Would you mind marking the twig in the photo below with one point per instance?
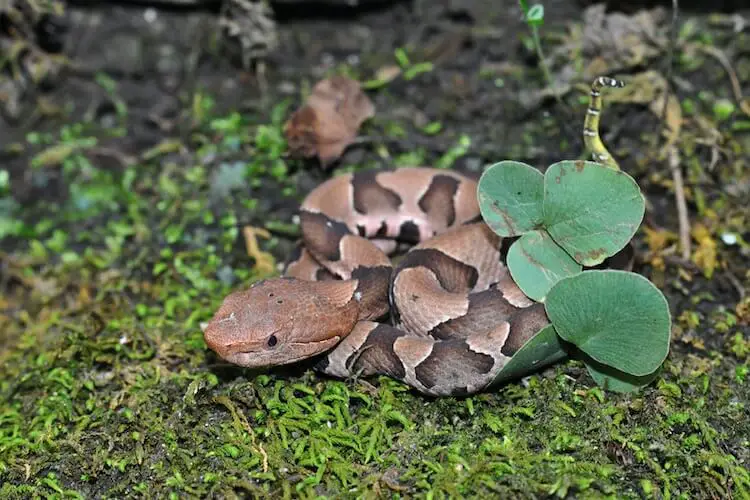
(724, 61)
(688, 265)
(679, 195)
(735, 283)
(670, 57)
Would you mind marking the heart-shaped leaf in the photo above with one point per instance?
(618, 318)
(536, 263)
(510, 195)
(589, 210)
(539, 351)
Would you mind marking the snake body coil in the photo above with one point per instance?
(456, 315)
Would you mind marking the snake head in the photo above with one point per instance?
(280, 321)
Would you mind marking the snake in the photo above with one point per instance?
(444, 318)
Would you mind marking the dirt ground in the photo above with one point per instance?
(126, 180)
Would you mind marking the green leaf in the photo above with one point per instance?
(618, 318)
(536, 263)
(402, 58)
(9, 226)
(590, 210)
(723, 109)
(417, 69)
(539, 351)
(614, 380)
(535, 15)
(510, 195)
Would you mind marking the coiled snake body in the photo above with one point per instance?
(457, 317)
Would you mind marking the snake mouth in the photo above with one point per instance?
(263, 356)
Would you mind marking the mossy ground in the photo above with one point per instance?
(116, 253)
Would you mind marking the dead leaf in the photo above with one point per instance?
(329, 121)
(743, 311)
(658, 240)
(388, 73)
(619, 41)
(264, 261)
(705, 255)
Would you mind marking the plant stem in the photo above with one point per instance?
(542, 60)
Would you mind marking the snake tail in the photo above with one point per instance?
(593, 142)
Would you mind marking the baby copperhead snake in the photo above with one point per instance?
(457, 317)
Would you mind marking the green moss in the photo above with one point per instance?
(106, 404)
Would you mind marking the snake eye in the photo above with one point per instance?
(272, 341)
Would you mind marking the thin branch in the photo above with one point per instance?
(733, 80)
(679, 195)
(670, 56)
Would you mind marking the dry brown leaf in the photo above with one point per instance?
(610, 42)
(619, 41)
(388, 73)
(329, 121)
(743, 311)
